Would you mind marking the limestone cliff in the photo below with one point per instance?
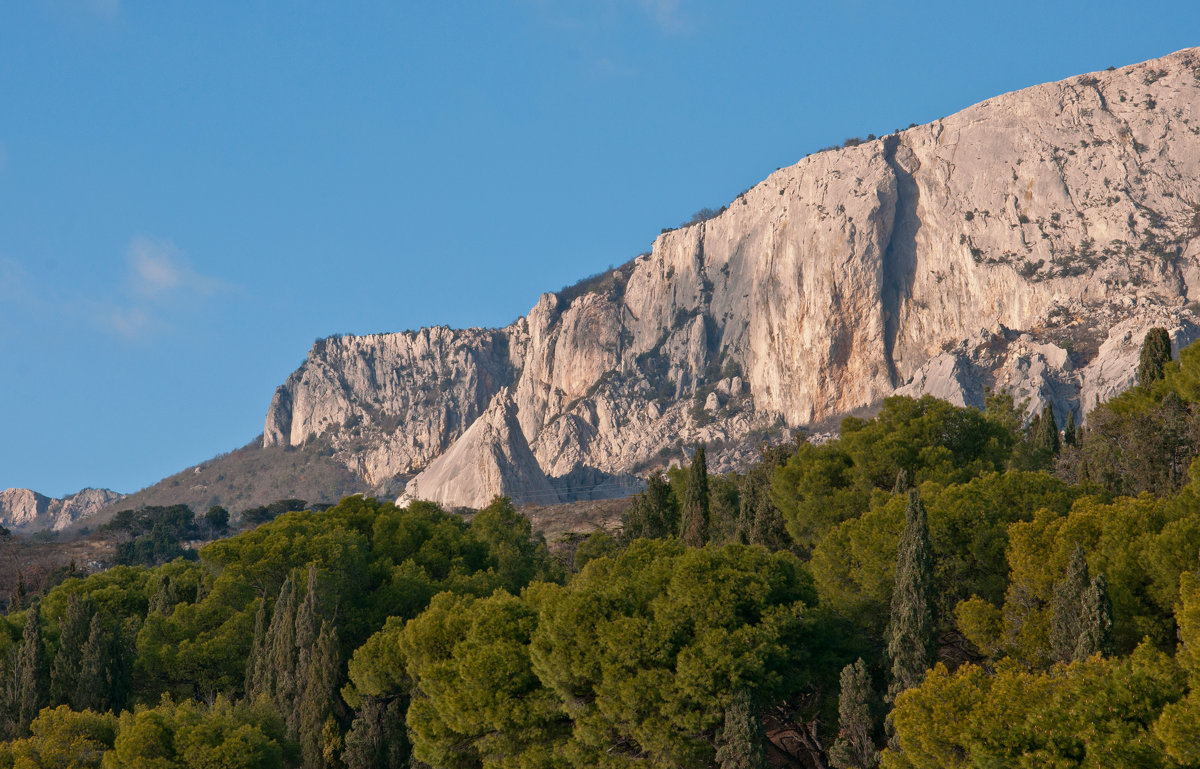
(24, 510)
(1025, 242)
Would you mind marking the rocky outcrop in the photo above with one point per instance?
(490, 458)
(1025, 243)
(26, 511)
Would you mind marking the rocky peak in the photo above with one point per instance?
(1026, 242)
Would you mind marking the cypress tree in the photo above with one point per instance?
(854, 747)
(743, 743)
(378, 738)
(695, 502)
(68, 663)
(901, 482)
(31, 674)
(1095, 625)
(1069, 437)
(95, 670)
(912, 631)
(317, 698)
(307, 621)
(16, 601)
(1046, 435)
(1077, 618)
(256, 662)
(1155, 355)
(654, 513)
(162, 603)
(278, 675)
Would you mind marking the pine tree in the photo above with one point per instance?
(854, 747)
(1081, 617)
(68, 662)
(1155, 355)
(31, 674)
(317, 698)
(912, 631)
(695, 502)
(1069, 437)
(742, 744)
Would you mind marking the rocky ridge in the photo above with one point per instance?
(1026, 243)
(23, 510)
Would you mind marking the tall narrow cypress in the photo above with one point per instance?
(743, 743)
(1069, 437)
(279, 674)
(1096, 626)
(162, 603)
(1067, 609)
(912, 630)
(1154, 357)
(317, 698)
(378, 738)
(854, 747)
(31, 676)
(1046, 436)
(695, 502)
(95, 670)
(68, 662)
(256, 662)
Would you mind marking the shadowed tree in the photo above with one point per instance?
(912, 629)
(654, 513)
(1155, 355)
(64, 674)
(30, 674)
(854, 747)
(695, 502)
(742, 744)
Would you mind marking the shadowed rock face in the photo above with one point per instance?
(968, 253)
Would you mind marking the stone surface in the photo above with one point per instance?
(1025, 243)
(23, 510)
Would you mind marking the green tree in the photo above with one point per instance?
(1069, 432)
(854, 747)
(695, 506)
(1155, 355)
(68, 661)
(1081, 619)
(742, 744)
(378, 738)
(31, 674)
(318, 700)
(64, 739)
(912, 630)
(654, 513)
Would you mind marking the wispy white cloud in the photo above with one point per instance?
(159, 281)
(666, 14)
(159, 271)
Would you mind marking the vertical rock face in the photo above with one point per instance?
(25, 510)
(1024, 243)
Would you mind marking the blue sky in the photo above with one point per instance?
(191, 193)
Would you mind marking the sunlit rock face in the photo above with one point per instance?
(1025, 243)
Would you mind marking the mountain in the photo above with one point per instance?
(24, 510)
(1026, 243)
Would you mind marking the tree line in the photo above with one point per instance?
(937, 587)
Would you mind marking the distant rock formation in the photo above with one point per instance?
(1026, 243)
(23, 510)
